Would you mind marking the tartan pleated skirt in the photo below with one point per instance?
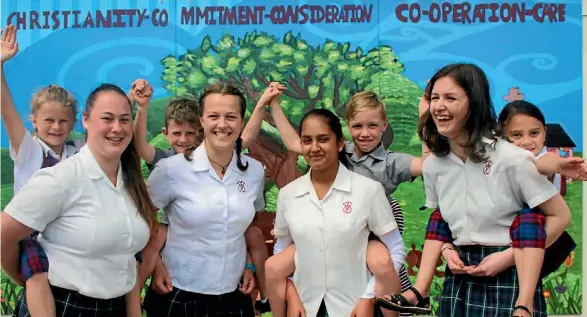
(73, 304)
(495, 296)
(180, 303)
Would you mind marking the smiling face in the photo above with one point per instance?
(108, 124)
(366, 128)
(320, 146)
(449, 107)
(221, 120)
(53, 123)
(526, 132)
(181, 136)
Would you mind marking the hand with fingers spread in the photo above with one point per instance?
(9, 46)
(573, 167)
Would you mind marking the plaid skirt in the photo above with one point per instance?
(495, 296)
(33, 259)
(73, 304)
(180, 303)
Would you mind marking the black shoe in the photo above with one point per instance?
(263, 307)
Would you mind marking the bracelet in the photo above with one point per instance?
(251, 267)
(442, 251)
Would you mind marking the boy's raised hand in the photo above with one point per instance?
(141, 92)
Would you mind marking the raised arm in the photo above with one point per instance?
(288, 134)
(12, 121)
(141, 93)
(418, 162)
(253, 127)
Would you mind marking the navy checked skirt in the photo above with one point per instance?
(180, 303)
(468, 296)
(73, 304)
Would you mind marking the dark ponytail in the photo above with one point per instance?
(239, 148)
(333, 122)
(131, 165)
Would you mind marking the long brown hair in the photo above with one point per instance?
(229, 90)
(131, 166)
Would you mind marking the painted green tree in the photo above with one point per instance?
(324, 75)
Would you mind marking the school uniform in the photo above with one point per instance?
(390, 169)
(527, 231)
(159, 155)
(205, 252)
(34, 154)
(90, 229)
(479, 202)
(331, 239)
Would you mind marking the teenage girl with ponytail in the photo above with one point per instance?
(209, 197)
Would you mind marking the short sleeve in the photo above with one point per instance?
(399, 168)
(39, 202)
(533, 187)
(429, 185)
(160, 185)
(380, 219)
(260, 200)
(281, 228)
(29, 148)
(158, 156)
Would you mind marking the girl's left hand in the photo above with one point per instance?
(248, 284)
(573, 167)
(493, 264)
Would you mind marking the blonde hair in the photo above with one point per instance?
(364, 100)
(53, 93)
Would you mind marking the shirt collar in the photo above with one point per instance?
(68, 149)
(93, 169)
(201, 162)
(379, 153)
(342, 181)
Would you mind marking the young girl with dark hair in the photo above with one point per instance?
(461, 129)
(209, 196)
(93, 212)
(329, 213)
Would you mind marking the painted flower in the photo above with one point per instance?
(560, 288)
(570, 259)
(546, 294)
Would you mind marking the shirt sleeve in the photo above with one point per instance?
(282, 243)
(30, 150)
(158, 156)
(429, 185)
(260, 200)
(39, 201)
(397, 250)
(160, 185)
(533, 187)
(399, 168)
(381, 220)
(281, 228)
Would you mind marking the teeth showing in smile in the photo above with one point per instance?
(55, 135)
(115, 139)
(443, 118)
(222, 134)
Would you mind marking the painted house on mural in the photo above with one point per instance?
(559, 142)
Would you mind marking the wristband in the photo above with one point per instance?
(251, 267)
(442, 251)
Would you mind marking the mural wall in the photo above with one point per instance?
(323, 52)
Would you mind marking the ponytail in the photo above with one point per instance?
(239, 148)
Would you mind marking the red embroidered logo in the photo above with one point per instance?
(487, 167)
(347, 207)
(241, 186)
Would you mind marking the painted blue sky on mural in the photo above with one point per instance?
(542, 59)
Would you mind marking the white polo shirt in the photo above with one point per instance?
(205, 250)
(479, 201)
(29, 157)
(331, 237)
(556, 178)
(90, 229)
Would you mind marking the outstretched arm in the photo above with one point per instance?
(141, 93)
(288, 134)
(572, 167)
(253, 127)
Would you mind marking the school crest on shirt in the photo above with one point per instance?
(240, 185)
(487, 167)
(347, 207)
